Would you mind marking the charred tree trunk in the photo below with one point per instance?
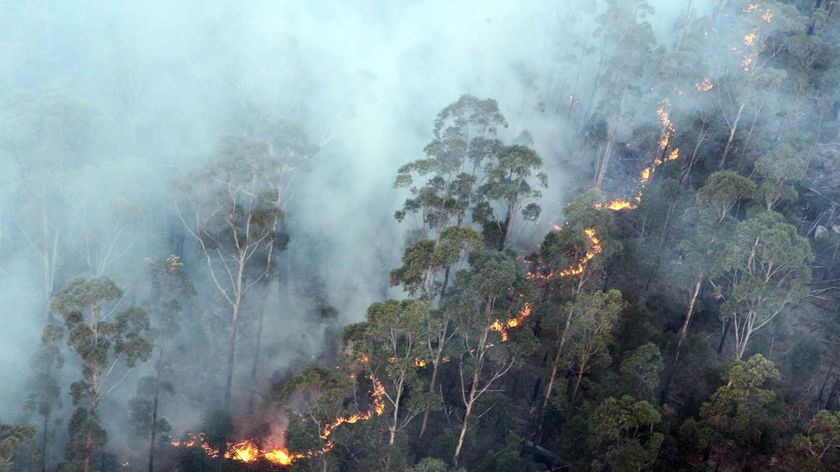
(683, 333)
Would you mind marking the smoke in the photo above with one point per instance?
(105, 105)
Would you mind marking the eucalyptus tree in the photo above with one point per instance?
(780, 169)
(565, 264)
(594, 317)
(392, 340)
(765, 270)
(510, 181)
(422, 262)
(817, 447)
(710, 225)
(478, 302)
(47, 134)
(44, 390)
(622, 435)
(759, 34)
(107, 344)
(170, 289)
(12, 438)
(626, 44)
(232, 209)
(737, 415)
(464, 141)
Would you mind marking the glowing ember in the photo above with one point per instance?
(581, 266)
(248, 451)
(281, 457)
(704, 86)
(244, 451)
(645, 175)
(747, 62)
(767, 17)
(502, 328)
(615, 205)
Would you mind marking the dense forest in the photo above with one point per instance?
(428, 237)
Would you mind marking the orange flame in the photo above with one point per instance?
(615, 205)
(247, 451)
(502, 328)
(767, 17)
(749, 39)
(596, 249)
(705, 86)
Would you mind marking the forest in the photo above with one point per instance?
(584, 235)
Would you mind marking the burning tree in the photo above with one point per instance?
(391, 341)
(484, 359)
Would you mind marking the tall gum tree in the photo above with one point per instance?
(232, 209)
(107, 344)
(483, 357)
(765, 270)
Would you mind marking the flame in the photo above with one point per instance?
(675, 154)
(645, 174)
(419, 363)
(747, 62)
(247, 451)
(502, 328)
(378, 409)
(705, 86)
(615, 205)
(281, 457)
(749, 39)
(243, 451)
(596, 249)
(750, 7)
(767, 17)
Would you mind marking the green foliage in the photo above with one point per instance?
(738, 414)
(817, 448)
(430, 464)
(780, 168)
(722, 191)
(622, 435)
(640, 372)
(766, 267)
(12, 437)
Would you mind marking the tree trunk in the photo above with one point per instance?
(463, 434)
(561, 344)
(87, 451)
(44, 437)
(231, 356)
(155, 403)
(253, 393)
(392, 430)
(732, 130)
(432, 385)
(683, 333)
(723, 335)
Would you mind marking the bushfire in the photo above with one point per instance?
(502, 327)
(249, 451)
